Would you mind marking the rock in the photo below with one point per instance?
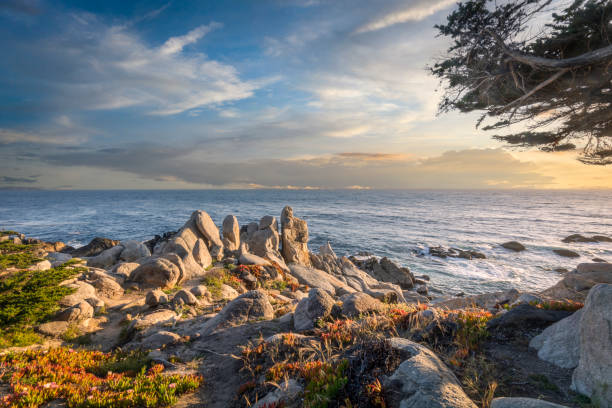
(58, 258)
(41, 266)
(108, 287)
(317, 305)
(97, 304)
(252, 305)
(156, 297)
(566, 253)
(599, 260)
(106, 258)
(506, 402)
(526, 317)
(202, 291)
(159, 340)
(228, 293)
(286, 395)
(95, 247)
(413, 297)
(442, 252)
(580, 238)
(125, 269)
(201, 254)
(326, 250)
(558, 343)
(184, 297)
(315, 278)
(360, 303)
(513, 246)
(576, 284)
(157, 273)
(231, 233)
(422, 380)
(422, 289)
(54, 329)
(82, 291)
(158, 317)
(134, 250)
(294, 232)
(80, 311)
(249, 280)
(250, 259)
(485, 301)
(527, 298)
(593, 376)
(384, 270)
(209, 230)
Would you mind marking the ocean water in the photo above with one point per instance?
(398, 224)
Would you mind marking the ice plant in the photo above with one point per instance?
(36, 377)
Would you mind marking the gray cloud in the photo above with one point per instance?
(18, 180)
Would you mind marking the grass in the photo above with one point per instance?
(28, 298)
(17, 256)
(216, 280)
(89, 379)
(9, 232)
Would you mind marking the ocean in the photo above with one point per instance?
(401, 225)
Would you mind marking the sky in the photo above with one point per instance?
(244, 94)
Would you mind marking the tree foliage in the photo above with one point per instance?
(553, 80)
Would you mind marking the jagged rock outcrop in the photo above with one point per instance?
(442, 252)
(294, 233)
(210, 232)
(385, 270)
(593, 376)
(231, 233)
(422, 380)
(261, 240)
(95, 247)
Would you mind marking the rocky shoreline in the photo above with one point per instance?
(267, 322)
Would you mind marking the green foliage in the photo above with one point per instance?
(8, 232)
(214, 281)
(275, 284)
(324, 385)
(124, 362)
(28, 298)
(18, 337)
(16, 256)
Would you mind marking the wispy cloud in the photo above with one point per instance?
(415, 12)
(176, 44)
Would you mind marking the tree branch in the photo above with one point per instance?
(541, 85)
(588, 58)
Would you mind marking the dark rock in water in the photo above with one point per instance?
(566, 253)
(95, 247)
(442, 252)
(599, 260)
(561, 270)
(514, 246)
(581, 238)
(159, 238)
(525, 316)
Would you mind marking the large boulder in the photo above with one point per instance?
(107, 258)
(124, 269)
(294, 238)
(317, 305)
(133, 250)
(593, 376)
(231, 233)
(253, 305)
(209, 230)
(264, 241)
(575, 285)
(157, 272)
(82, 291)
(506, 402)
(360, 303)
(247, 258)
(156, 297)
(558, 343)
(422, 380)
(95, 247)
(81, 311)
(107, 287)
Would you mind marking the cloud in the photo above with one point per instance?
(414, 12)
(373, 156)
(8, 136)
(475, 168)
(18, 180)
(90, 65)
(30, 7)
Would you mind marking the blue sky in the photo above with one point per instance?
(222, 94)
